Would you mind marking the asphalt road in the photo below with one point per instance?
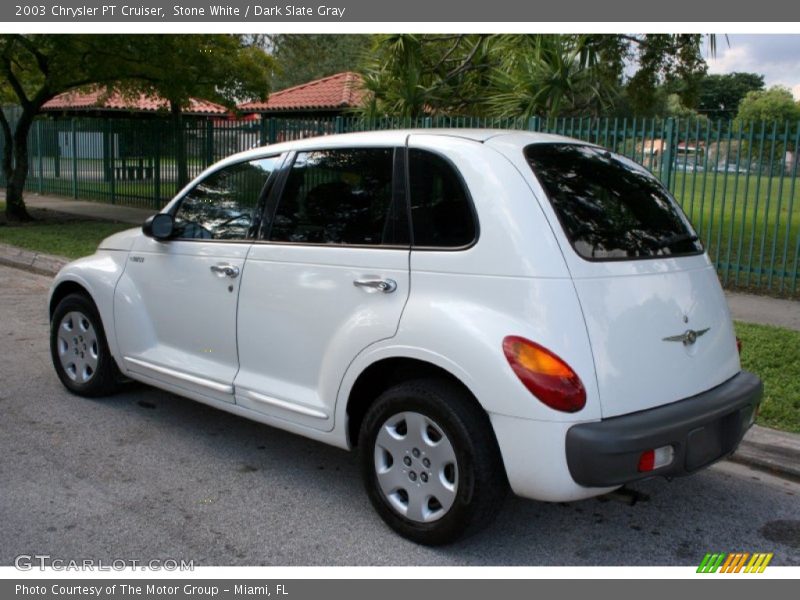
(146, 474)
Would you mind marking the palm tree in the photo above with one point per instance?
(548, 75)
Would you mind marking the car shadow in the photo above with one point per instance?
(320, 496)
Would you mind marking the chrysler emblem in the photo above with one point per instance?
(688, 337)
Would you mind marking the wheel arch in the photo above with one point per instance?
(385, 372)
(64, 289)
(95, 277)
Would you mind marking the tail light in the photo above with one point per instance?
(650, 460)
(545, 375)
(738, 345)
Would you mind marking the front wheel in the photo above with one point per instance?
(79, 348)
(430, 462)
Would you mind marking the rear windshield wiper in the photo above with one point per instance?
(671, 240)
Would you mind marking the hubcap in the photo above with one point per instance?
(416, 467)
(78, 349)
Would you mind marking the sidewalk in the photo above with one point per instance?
(761, 448)
(764, 310)
(93, 210)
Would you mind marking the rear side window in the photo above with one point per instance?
(441, 211)
(609, 207)
(342, 196)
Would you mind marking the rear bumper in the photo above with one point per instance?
(701, 430)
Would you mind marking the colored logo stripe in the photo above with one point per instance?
(734, 562)
(758, 563)
(711, 563)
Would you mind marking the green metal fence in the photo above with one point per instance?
(737, 182)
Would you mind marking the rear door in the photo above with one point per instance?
(330, 278)
(655, 312)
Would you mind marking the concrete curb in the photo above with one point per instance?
(769, 450)
(762, 448)
(43, 264)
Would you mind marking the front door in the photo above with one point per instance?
(331, 278)
(175, 305)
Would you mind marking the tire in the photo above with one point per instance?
(79, 349)
(445, 482)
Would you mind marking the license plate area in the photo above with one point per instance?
(713, 440)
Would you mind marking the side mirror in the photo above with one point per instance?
(160, 227)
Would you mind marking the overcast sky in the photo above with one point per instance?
(777, 57)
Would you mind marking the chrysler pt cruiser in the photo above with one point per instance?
(471, 310)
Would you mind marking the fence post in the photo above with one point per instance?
(112, 160)
(666, 164)
(262, 131)
(157, 170)
(107, 164)
(57, 152)
(38, 125)
(272, 131)
(209, 143)
(338, 125)
(427, 123)
(74, 144)
(533, 123)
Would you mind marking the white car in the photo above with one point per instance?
(470, 309)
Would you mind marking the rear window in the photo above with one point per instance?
(610, 207)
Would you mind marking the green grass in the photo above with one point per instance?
(773, 353)
(72, 239)
(747, 225)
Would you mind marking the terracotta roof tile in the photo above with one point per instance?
(343, 90)
(100, 99)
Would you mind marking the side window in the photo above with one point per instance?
(441, 211)
(225, 205)
(339, 197)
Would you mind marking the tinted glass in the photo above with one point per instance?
(338, 197)
(610, 208)
(225, 205)
(441, 212)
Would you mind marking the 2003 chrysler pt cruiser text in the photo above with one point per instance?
(470, 309)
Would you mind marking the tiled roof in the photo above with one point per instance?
(343, 90)
(101, 99)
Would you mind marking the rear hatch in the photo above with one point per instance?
(655, 313)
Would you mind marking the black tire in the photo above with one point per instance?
(478, 474)
(97, 373)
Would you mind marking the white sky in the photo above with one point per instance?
(776, 56)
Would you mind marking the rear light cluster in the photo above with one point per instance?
(738, 345)
(650, 460)
(545, 375)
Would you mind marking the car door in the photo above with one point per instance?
(330, 278)
(175, 305)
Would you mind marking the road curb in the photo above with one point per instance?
(762, 448)
(770, 450)
(43, 264)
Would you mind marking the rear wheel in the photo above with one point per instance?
(430, 462)
(79, 348)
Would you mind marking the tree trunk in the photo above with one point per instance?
(16, 169)
(180, 144)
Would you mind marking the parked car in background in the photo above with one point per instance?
(689, 158)
(471, 310)
(731, 167)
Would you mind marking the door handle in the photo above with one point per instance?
(225, 271)
(387, 286)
